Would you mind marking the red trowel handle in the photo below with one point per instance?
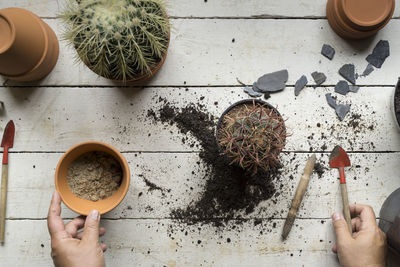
(345, 198)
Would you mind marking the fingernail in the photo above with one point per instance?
(336, 216)
(94, 214)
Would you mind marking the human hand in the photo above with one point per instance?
(366, 246)
(69, 247)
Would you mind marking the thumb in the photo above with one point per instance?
(91, 230)
(341, 230)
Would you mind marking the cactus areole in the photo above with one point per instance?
(118, 39)
(252, 134)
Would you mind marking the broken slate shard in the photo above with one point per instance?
(342, 87)
(300, 84)
(328, 51)
(342, 110)
(379, 54)
(354, 88)
(348, 72)
(251, 92)
(271, 82)
(318, 77)
(331, 101)
(368, 70)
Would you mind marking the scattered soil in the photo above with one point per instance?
(319, 169)
(94, 176)
(229, 190)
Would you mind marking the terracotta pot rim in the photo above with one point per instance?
(371, 25)
(340, 27)
(12, 39)
(45, 49)
(121, 160)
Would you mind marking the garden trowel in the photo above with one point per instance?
(339, 159)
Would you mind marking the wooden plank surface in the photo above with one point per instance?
(147, 243)
(370, 180)
(206, 8)
(212, 44)
(53, 119)
(202, 53)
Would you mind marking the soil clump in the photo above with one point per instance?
(229, 191)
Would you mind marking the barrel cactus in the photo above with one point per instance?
(252, 135)
(118, 39)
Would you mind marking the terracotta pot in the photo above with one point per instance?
(357, 19)
(80, 205)
(28, 46)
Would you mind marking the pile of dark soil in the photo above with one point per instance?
(229, 191)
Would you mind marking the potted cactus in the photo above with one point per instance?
(123, 40)
(252, 134)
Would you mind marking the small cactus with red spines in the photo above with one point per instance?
(252, 136)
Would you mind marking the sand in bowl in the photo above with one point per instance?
(94, 176)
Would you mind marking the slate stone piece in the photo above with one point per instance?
(354, 88)
(318, 77)
(251, 92)
(342, 87)
(348, 72)
(300, 84)
(342, 110)
(331, 101)
(271, 82)
(368, 70)
(379, 54)
(328, 51)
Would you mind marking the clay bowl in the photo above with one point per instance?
(358, 19)
(28, 46)
(83, 206)
(396, 108)
(241, 102)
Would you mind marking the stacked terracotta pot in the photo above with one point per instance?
(28, 46)
(357, 19)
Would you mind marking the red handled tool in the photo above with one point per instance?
(7, 142)
(339, 159)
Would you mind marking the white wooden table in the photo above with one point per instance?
(72, 105)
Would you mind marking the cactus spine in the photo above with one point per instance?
(252, 135)
(118, 39)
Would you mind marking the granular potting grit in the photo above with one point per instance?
(94, 176)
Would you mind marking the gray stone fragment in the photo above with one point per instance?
(342, 87)
(300, 84)
(342, 110)
(367, 70)
(348, 72)
(251, 92)
(328, 51)
(272, 82)
(379, 54)
(318, 77)
(331, 101)
(354, 88)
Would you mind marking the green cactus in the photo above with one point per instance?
(118, 39)
(252, 136)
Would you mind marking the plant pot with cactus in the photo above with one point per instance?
(252, 134)
(124, 40)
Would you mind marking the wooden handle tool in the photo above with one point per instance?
(298, 197)
(3, 201)
(7, 142)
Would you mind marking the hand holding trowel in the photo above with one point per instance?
(339, 159)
